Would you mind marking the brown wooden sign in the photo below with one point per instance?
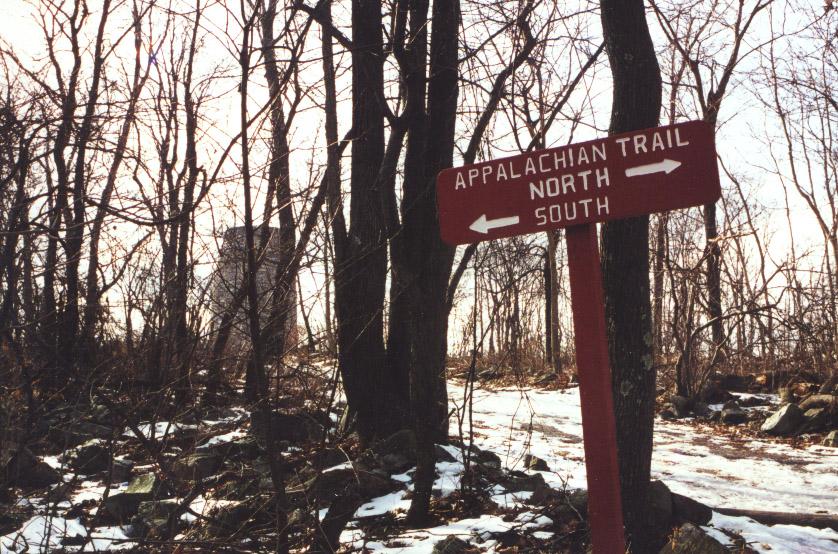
(644, 172)
(576, 186)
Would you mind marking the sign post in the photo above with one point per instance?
(575, 187)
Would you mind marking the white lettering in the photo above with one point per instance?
(530, 167)
(582, 155)
(622, 142)
(567, 215)
(512, 171)
(540, 215)
(584, 175)
(603, 205)
(472, 173)
(657, 142)
(461, 183)
(678, 139)
(585, 204)
(539, 191)
(487, 170)
(502, 173)
(567, 183)
(600, 178)
(553, 186)
(639, 143)
(555, 213)
(598, 152)
(557, 159)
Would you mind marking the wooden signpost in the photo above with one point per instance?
(575, 187)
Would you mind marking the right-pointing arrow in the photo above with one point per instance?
(667, 166)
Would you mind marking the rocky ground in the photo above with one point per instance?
(513, 481)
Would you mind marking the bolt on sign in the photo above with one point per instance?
(575, 187)
(644, 172)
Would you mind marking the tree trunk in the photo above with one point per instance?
(625, 268)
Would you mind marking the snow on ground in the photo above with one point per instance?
(717, 470)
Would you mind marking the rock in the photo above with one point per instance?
(546, 379)
(196, 466)
(830, 386)
(395, 463)
(831, 439)
(816, 418)
(522, 482)
(668, 414)
(24, 469)
(785, 421)
(450, 545)
(680, 402)
(242, 448)
(78, 432)
(701, 409)
(535, 463)
(90, 457)
(715, 415)
(732, 404)
(659, 505)
(121, 470)
(689, 539)
(687, 510)
(403, 443)
(125, 505)
(487, 374)
(290, 427)
(442, 454)
(786, 395)
(332, 483)
(544, 494)
(734, 415)
(485, 457)
(152, 517)
(578, 500)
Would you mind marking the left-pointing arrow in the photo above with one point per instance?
(666, 165)
(483, 225)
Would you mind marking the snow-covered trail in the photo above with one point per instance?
(694, 461)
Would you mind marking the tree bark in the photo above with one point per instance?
(625, 268)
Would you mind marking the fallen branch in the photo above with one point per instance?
(818, 521)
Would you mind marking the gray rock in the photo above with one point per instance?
(734, 415)
(680, 402)
(78, 432)
(450, 545)
(785, 421)
(487, 374)
(243, 448)
(687, 510)
(442, 455)
(816, 418)
(90, 457)
(402, 442)
(522, 482)
(546, 379)
(395, 463)
(535, 463)
(24, 469)
(689, 539)
(715, 415)
(121, 470)
(578, 500)
(196, 466)
(125, 505)
(152, 517)
(701, 409)
(658, 505)
(831, 439)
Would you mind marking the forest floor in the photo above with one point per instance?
(719, 465)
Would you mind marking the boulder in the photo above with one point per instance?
(402, 443)
(90, 457)
(242, 448)
(734, 415)
(701, 409)
(121, 470)
(831, 439)
(450, 545)
(785, 421)
(522, 482)
(535, 463)
(442, 455)
(395, 463)
(196, 466)
(546, 379)
(77, 433)
(24, 469)
(687, 510)
(152, 517)
(680, 402)
(125, 505)
(689, 539)
(332, 484)
(658, 506)
(816, 418)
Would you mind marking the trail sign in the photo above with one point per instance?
(576, 186)
(644, 172)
